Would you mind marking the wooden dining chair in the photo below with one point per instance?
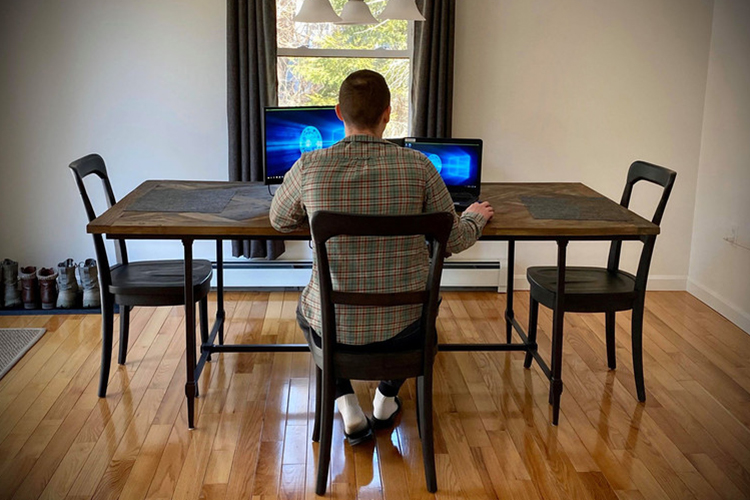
(336, 360)
(605, 290)
(140, 283)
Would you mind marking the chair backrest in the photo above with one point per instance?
(664, 177)
(81, 168)
(434, 227)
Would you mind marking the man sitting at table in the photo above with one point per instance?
(366, 175)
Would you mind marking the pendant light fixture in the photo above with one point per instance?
(316, 11)
(356, 12)
(402, 9)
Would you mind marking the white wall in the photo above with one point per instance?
(578, 90)
(573, 91)
(719, 270)
(141, 82)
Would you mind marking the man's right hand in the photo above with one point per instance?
(484, 208)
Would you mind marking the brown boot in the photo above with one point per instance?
(29, 287)
(47, 287)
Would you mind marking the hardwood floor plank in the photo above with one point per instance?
(144, 467)
(597, 484)
(50, 408)
(113, 480)
(268, 470)
(58, 466)
(246, 455)
(292, 482)
(493, 438)
(51, 323)
(20, 394)
(33, 482)
(189, 482)
(170, 464)
(717, 478)
(150, 349)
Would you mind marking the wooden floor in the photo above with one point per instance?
(690, 440)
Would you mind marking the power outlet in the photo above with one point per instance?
(736, 238)
(732, 236)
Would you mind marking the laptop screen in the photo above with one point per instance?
(289, 132)
(458, 161)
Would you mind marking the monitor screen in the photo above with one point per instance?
(458, 161)
(289, 132)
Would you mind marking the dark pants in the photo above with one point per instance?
(410, 337)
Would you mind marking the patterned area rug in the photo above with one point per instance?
(14, 342)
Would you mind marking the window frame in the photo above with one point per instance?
(360, 53)
(408, 54)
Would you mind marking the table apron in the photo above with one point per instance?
(126, 236)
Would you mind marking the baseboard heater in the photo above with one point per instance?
(273, 275)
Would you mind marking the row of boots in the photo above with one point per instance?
(50, 288)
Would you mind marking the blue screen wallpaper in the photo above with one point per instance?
(457, 164)
(292, 131)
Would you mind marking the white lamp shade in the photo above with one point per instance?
(402, 9)
(356, 12)
(316, 11)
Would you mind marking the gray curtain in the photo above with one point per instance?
(432, 69)
(251, 85)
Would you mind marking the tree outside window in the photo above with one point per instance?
(314, 58)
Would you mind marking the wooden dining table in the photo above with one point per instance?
(218, 210)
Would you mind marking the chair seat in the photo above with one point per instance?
(587, 289)
(158, 282)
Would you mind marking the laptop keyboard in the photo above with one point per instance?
(461, 201)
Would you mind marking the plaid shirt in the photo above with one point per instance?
(365, 175)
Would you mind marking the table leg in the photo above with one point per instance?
(190, 385)
(220, 315)
(556, 386)
(509, 290)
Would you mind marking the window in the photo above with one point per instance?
(314, 58)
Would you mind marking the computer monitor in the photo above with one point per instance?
(458, 161)
(290, 131)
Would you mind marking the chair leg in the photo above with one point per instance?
(326, 434)
(419, 404)
(124, 333)
(108, 320)
(610, 327)
(556, 385)
(203, 310)
(637, 346)
(318, 398)
(428, 449)
(533, 320)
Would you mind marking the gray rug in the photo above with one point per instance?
(14, 342)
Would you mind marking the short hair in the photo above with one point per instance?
(363, 97)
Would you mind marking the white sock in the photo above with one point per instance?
(382, 406)
(353, 416)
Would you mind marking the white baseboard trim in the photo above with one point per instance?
(666, 283)
(279, 276)
(720, 304)
(655, 283)
(264, 278)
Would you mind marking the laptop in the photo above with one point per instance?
(459, 163)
